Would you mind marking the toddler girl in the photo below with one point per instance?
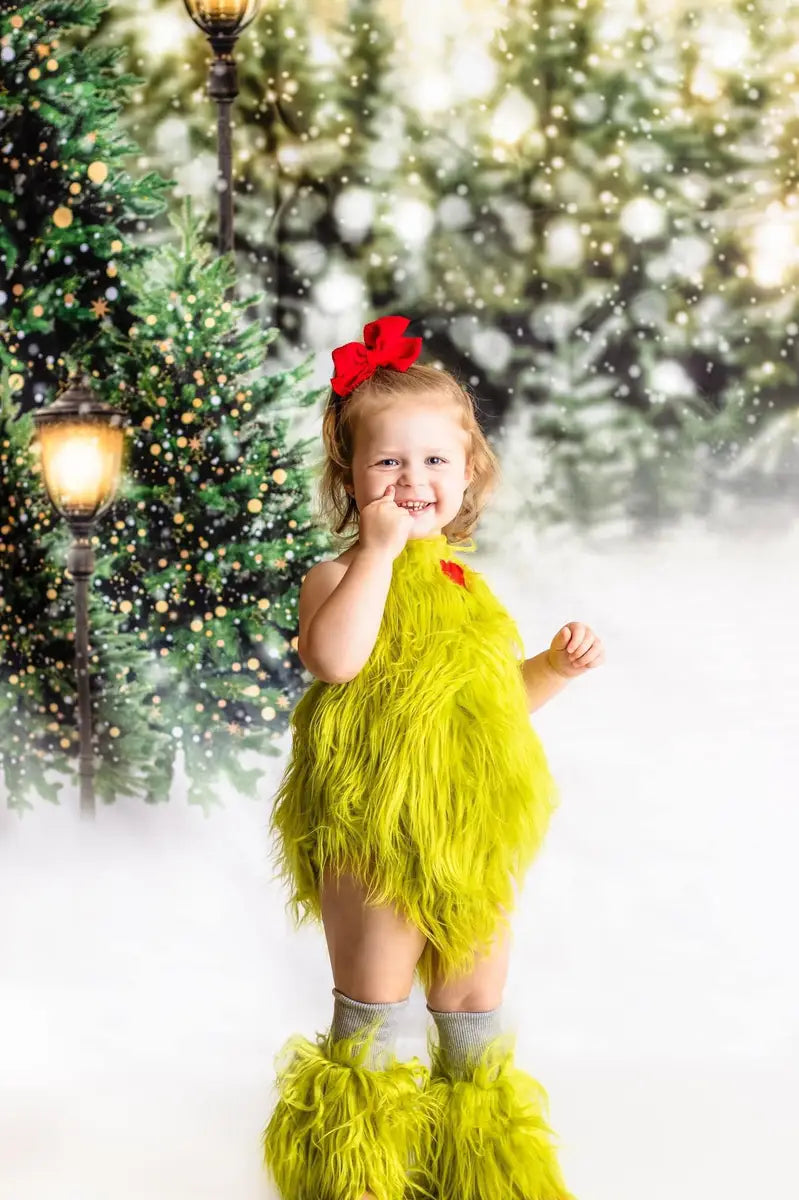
(416, 796)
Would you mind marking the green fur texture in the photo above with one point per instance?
(340, 1128)
(422, 775)
(489, 1136)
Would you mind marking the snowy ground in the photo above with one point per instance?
(149, 974)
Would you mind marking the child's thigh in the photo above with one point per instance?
(373, 949)
(482, 988)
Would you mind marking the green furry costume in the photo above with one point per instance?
(423, 776)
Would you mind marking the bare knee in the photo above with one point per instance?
(479, 1000)
(479, 990)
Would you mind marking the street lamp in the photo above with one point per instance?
(80, 443)
(222, 21)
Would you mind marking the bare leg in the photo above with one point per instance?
(373, 948)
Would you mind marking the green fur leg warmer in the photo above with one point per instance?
(340, 1128)
(489, 1135)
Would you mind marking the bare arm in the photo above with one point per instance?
(541, 680)
(342, 631)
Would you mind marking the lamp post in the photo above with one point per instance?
(222, 21)
(80, 443)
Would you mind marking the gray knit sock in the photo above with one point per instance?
(462, 1036)
(350, 1016)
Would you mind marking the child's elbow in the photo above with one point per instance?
(318, 667)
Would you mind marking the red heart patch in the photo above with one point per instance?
(454, 571)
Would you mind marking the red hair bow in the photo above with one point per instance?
(383, 346)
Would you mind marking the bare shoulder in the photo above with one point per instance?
(328, 566)
(319, 581)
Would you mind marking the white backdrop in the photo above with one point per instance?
(149, 972)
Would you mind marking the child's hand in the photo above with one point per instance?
(384, 525)
(574, 649)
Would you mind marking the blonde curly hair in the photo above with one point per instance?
(336, 508)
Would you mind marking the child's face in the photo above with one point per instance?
(422, 451)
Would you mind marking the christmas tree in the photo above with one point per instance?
(198, 565)
(67, 204)
(587, 250)
(746, 81)
(214, 533)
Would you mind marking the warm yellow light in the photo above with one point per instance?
(222, 15)
(705, 83)
(726, 43)
(774, 246)
(216, 9)
(513, 117)
(81, 463)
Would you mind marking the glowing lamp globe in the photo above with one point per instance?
(227, 17)
(80, 443)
